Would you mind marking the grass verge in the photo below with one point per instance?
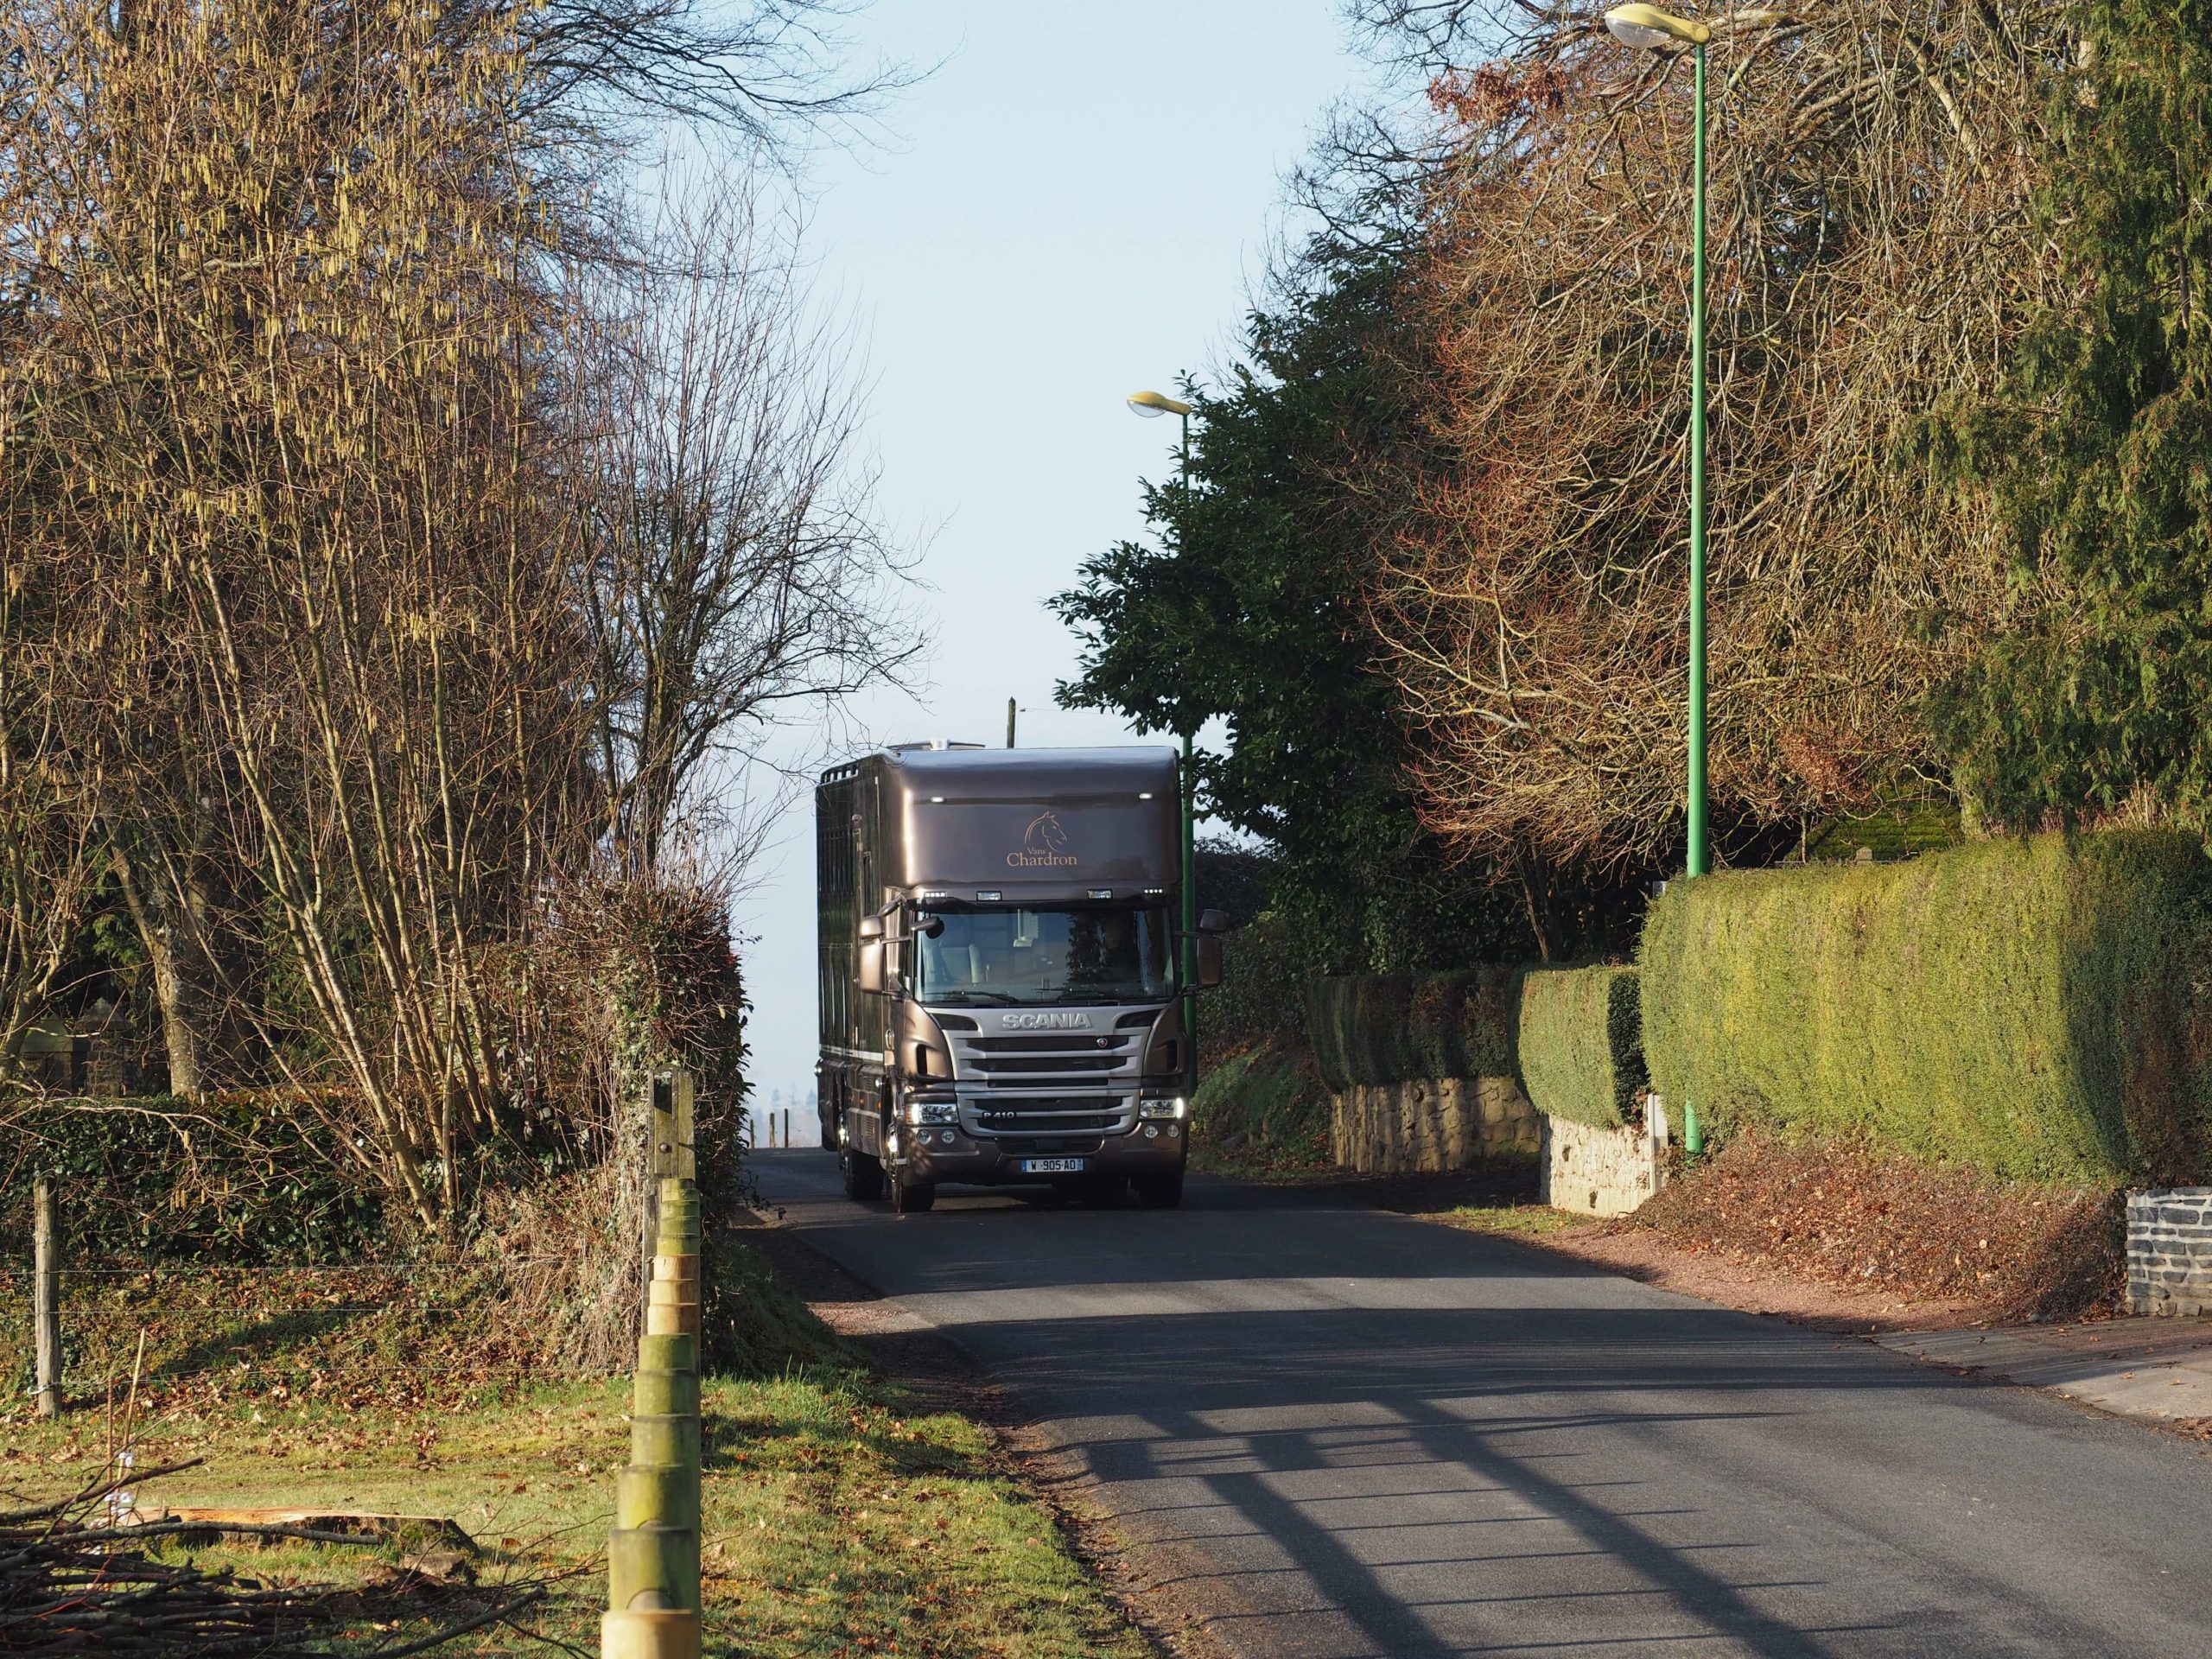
(844, 1514)
(1262, 1112)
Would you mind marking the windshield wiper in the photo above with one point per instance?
(995, 998)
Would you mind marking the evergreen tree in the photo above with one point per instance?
(2101, 453)
(1252, 607)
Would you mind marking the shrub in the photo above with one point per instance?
(1581, 1043)
(2027, 1006)
(1368, 1028)
(241, 1178)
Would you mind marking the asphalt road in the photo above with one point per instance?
(1359, 1433)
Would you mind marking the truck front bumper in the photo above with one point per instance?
(938, 1155)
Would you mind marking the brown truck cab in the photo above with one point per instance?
(1001, 1000)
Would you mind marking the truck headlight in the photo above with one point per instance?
(933, 1111)
(1176, 1107)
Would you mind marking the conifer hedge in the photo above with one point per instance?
(1581, 1043)
(1371, 1028)
(2031, 1006)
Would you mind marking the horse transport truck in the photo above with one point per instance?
(1003, 983)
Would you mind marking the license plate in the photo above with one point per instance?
(1052, 1165)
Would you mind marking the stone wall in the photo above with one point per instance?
(1600, 1171)
(2170, 1251)
(1396, 1128)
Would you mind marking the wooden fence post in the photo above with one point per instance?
(46, 1296)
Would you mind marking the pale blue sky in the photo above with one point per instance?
(1076, 204)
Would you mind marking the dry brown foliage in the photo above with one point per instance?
(280, 348)
(1872, 251)
(1858, 1218)
(391, 534)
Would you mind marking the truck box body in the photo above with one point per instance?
(1029, 1025)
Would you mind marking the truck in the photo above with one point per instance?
(1005, 992)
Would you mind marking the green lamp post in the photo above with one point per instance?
(1653, 30)
(1152, 405)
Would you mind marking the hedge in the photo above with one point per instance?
(2028, 1007)
(240, 1179)
(1368, 1028)
(1260, 998)
(1581, 1041)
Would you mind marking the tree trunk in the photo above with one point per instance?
(1535, 894)
(174, 934)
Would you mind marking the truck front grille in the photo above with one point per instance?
(1059, 1146)
(1031, 1117)
(997, 1068)
(1050, 1062)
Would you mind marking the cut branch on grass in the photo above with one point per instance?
(72, 1584)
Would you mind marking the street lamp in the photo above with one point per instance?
(1152, 405)
(1651, 30)
(1648, 28)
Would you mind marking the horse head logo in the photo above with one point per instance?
(1044, 838)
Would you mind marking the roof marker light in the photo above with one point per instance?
(988, 894)
(1144, 795)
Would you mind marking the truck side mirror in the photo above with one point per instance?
(1208, 954)
(1213, 921)
(867, 965)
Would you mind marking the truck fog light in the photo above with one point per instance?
(1151, 1131)
(1176, 1107)
(1174, 1129)
(947, 1137)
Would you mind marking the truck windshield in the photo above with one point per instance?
(1045, 955)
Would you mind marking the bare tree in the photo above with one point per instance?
(735, 568)
(1874, 249)
(50, 857)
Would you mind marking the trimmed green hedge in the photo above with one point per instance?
(2028, 1006)
(1400, 1028)
(1581, 1043)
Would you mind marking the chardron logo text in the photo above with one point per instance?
(1045, 1021)
(1044, 844)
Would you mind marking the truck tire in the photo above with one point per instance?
(910, 1198)
(862, 1175)
(1161, 1191)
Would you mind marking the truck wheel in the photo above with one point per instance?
(863, 1176)
(910, 1198)
(1161, 1191)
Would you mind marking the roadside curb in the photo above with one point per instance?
(2162, 1376)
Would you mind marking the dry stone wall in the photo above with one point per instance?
(2170, 1251)
(1433, 1123)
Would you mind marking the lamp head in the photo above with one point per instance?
(1153, 405)
(1651, 28)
